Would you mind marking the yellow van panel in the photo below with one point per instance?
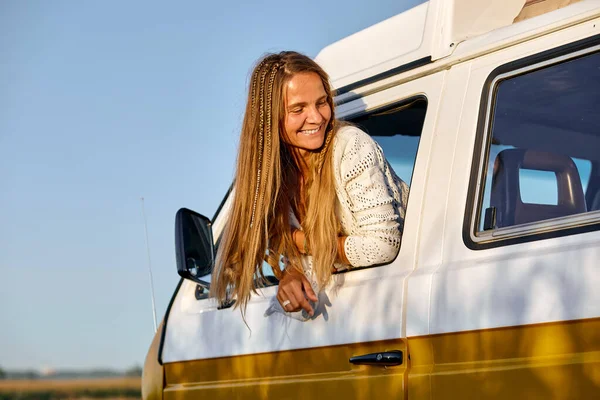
(546, 361)
(304, 373)
(153, 373)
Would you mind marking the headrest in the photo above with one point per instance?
(506, 188)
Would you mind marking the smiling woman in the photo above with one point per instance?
(312, 195)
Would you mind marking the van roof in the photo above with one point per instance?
(425, 33)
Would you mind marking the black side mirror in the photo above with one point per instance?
(194, 247)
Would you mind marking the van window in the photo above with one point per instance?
(397, 129)
(543, 152)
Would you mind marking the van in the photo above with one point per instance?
(491, 112)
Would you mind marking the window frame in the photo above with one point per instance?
(408, 101)
(539, 230)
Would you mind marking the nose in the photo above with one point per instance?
(314, 115)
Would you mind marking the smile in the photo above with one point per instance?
(309, 132)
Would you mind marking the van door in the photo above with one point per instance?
(214, 353)
(511, 254)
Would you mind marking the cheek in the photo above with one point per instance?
(291, 124)
(327, 113)
(288, 129)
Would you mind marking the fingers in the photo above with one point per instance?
(310, 293)
(293, 291)
(290, 295)
(286, 294)
(305, 305)
(288, 300)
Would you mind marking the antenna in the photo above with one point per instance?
(149, 264)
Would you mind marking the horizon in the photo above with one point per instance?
(50, 373)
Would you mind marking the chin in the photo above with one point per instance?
(315, 145)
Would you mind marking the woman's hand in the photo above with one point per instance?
(295, 291)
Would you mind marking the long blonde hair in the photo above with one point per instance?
(267, 182)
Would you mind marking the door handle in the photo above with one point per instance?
(384, 359)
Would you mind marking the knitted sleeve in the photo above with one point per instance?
(376, 198)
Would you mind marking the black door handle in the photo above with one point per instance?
(384, 359)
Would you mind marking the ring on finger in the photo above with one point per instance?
(285, 303)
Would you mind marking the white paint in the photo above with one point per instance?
(367, 307)
(378, 48)
(219, 222)
(458, 20)
(418, 302)
(478, 46)
(543, 281)
(528, 283)
(432, 29)
(430, 249)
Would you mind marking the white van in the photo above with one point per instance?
(491, 111)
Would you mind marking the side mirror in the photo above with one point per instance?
(194, 247)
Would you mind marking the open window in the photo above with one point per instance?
(397, 129)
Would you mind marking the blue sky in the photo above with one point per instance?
(102, 103)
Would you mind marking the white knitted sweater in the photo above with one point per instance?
(371, 201)
(371, 198)
(371, 206)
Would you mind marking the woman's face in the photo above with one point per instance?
(307, 112)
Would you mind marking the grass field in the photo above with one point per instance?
(41, 389)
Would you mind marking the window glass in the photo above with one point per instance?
(545, 142)
(401, 151)
(538, 187)
(585, 170)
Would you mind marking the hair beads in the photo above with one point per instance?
(269, 132)
(261, 123)
(254, 81)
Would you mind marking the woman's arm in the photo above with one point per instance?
(300, 242)
(375, 197)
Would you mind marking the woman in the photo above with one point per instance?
(312, 195)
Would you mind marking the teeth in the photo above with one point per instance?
(311, 131)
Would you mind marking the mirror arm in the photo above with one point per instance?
(204, 284)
